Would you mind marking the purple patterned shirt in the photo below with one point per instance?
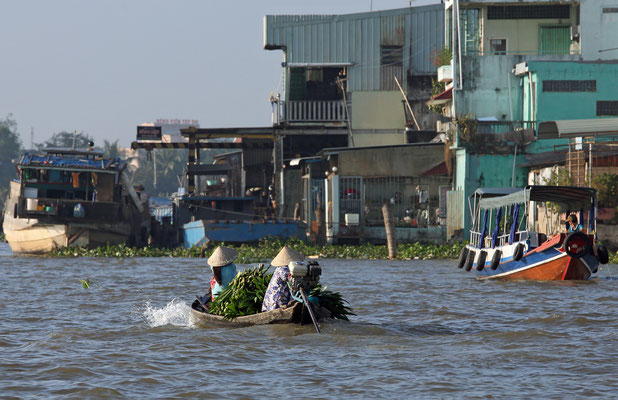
(278, 293)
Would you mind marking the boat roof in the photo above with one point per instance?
(571, 196)
(70, 162)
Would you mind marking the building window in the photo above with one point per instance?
(497, 46)
(607, 108)
(570, 86)
(391, 55)
(528, 12)
(471, 30)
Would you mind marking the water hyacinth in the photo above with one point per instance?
(266, 249)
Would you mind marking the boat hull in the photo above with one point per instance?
(286, 315)
(200, 232)
(41, 239)
(550, 263)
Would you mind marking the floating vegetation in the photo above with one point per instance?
(86, 283)
(266, 249)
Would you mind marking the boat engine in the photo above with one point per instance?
(304, 276)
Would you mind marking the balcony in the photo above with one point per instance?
(312, 112)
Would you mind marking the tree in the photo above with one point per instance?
(10, 150)
(170, 165)
(65, 139)
(111, 149)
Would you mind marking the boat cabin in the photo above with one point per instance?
(504, 216)
(54, 182)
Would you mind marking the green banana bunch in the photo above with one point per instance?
(332, 301)
(244, 295)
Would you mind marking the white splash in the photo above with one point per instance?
(176, 313)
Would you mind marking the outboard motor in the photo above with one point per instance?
(303, 275)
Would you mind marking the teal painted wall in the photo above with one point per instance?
(485, 170)
(551, 106)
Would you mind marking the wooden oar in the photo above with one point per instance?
(306, 301)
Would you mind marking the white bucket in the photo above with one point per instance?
(31, 204)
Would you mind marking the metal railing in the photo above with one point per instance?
(313, 111)
(498, 127)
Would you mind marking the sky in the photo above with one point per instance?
(103, 67)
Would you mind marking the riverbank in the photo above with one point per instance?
(265, 250)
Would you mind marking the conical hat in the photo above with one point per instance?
(222, 256)
(285, 256)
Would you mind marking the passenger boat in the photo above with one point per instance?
(72, 197)
(292, 314)
(534, 245)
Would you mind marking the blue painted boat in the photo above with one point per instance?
(200, 232)
(518, 247)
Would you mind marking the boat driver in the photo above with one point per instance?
(278, 292)
(573, 226)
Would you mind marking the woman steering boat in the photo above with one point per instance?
(533, 246)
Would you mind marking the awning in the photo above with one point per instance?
(567, 195)
(578, 128)
(441, 98)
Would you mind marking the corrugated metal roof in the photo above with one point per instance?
(578, 128)
(356, 39)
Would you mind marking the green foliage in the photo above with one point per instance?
(437, 88)
(559, 177)
(86, 283)
(65, 139)
(170, 166)
(607, 188)
(466, 125)
(111, 149)
(332, 301)
(10, 150)
(442, 57)
(244, 295)
(266, 249)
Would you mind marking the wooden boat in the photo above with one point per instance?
(72, 197)
(519, 247)
(287, 315)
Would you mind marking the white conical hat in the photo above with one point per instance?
(222, 256)
(285, 256)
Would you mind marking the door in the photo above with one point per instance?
(555, 40)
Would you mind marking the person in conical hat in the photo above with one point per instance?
(221, 263)
(278, 293)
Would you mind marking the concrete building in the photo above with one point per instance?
(502, 52)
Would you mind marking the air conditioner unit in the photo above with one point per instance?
(352, 219)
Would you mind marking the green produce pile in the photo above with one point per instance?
(244, 295)
(333, 302)
(266, 249)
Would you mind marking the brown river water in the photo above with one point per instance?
(424, 329)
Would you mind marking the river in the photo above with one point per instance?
(423, 329)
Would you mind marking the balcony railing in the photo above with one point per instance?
(500, 127)
(313, 111)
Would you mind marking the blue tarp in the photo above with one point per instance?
(38, 160)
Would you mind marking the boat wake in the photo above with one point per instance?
(176, 313)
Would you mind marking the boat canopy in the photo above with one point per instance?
(30, 160)
(571, 196)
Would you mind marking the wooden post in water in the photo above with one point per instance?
(391, 240)
(319, 218)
